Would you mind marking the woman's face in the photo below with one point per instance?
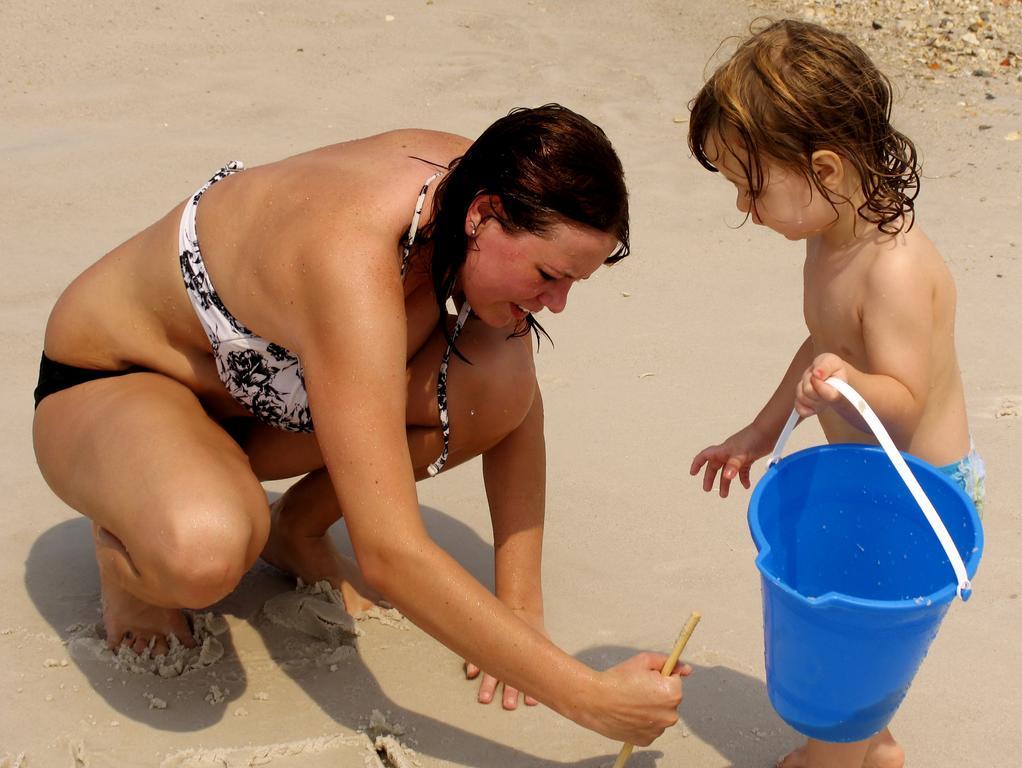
(510, 274)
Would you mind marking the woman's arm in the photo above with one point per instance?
(353, 348)
(514, 473)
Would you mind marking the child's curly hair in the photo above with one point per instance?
(793, 88)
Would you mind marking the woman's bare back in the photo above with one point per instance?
(262, 232)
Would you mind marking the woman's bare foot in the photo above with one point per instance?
(129, 620)
(881, 751)
(315, 558)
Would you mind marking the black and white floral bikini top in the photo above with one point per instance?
(264, 377)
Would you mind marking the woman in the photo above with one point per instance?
(175, 379)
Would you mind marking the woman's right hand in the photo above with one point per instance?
(734, 457)
(636, 703)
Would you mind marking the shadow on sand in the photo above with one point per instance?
(62, 580)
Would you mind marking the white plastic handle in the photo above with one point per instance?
(853, 397)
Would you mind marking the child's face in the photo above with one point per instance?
(787, 203)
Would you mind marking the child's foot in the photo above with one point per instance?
(884, 752)
(809, 755)
(826, 754)
(881, 751)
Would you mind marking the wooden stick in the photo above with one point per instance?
(686, 633)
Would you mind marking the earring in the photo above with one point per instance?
(474, 226)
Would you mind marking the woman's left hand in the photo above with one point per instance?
(488, 684)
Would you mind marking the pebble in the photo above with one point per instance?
(338, 656)
(1007, 410)
(216, 695)
(953, 40)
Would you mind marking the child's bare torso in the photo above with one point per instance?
(886, 305)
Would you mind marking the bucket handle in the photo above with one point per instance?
(853, 397)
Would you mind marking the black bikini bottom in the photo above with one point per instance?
(55, 377)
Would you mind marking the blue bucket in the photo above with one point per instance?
(855, 582)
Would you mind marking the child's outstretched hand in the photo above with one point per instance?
(734, 457)
(812, 393)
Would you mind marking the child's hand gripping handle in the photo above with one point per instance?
(672, 660)
(853, 397)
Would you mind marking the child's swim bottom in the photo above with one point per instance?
(970, 475)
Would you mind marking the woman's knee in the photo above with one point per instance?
(502, 376)
(488, 397)
(504, 385)
(205, 549)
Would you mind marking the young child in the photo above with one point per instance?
(798, 120)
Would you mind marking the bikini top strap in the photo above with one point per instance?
(441, 393)
(409, 239)
(232, 167)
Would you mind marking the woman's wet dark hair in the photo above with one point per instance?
(548, 165)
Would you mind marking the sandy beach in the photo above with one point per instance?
(111, 113)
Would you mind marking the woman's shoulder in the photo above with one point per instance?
(372, 180)
(424, 138)
(394, 148)
(373, 169)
